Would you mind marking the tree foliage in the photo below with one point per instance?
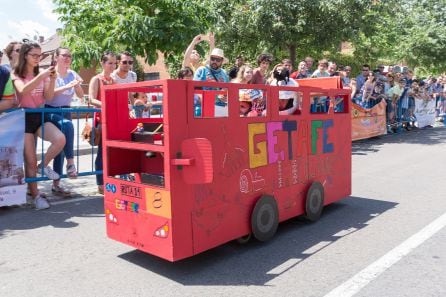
(410, 31)
(423, 34)
(140, 26)
(288, 27)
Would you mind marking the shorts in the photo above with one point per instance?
(33, 121)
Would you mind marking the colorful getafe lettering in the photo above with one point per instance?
(326, 147)
(126, 205)
(263, 152)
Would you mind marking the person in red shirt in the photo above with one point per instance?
(108, 64)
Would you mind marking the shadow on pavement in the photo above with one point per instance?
(14, 219)
(252, 264)
(427, 136)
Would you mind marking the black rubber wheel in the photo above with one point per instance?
(244, 239)
(315, 202)
(265, 218)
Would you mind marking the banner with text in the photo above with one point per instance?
(368, 122)
(12, 177)
(424, 112)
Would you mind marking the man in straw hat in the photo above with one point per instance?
(213, 71)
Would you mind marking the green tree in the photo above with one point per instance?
(423, 34)
(412, 32)
(288, 27)
(140, 26)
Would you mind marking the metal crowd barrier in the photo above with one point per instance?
(78, 119)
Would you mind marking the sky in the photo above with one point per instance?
(25, 19)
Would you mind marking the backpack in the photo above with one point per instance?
(4, 77)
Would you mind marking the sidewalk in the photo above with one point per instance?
(81, 187)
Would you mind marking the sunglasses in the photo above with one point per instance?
(127, 62)
(216, 59)
(66, 56)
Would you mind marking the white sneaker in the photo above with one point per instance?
(48, 172)
(41, 203)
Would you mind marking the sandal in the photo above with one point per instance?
(101, 189)
(58, 190)
(71, 171)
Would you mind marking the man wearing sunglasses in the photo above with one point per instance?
(213, 72)
(123, 74)
(362, 77)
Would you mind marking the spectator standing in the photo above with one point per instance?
(309, 61)
(394, 94)
(382, 77)
(12, 51)
(362, 77)
(288, 65)
(353, 92)
(6, 89)
(244, 75)
(185, 73)
(390, 69)
(192, 56)
(438, 95)
(32, 88)
(234, 70)
(124, 74)
(301, 72)
(331, 69)
(404, 100)
(346, 75)
(367, 90)
(321, 70)
(68, 84)
(213, 71)
(259, 73)
(108, 64)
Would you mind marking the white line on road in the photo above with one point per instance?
(284, 266)
(364, 277)
(316, 247)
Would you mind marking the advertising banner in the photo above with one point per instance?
(424, 112)
(12, 177)
(368, 122)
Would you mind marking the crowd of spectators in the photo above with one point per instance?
(394, 84)
(23, 84)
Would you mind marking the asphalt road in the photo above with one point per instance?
(387, 239)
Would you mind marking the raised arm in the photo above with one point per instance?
(186, 60)
(211, 38)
